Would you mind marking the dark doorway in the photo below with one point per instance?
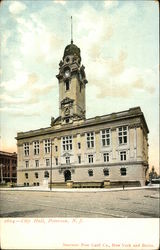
(67, 175)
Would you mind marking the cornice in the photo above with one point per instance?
(124, 116)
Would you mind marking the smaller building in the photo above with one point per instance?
(8, 167)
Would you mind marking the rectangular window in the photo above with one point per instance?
(90, 158)
(122, 135)
(67, 84)
(123, 171)
(123, 156)
(47, 162)
(26, 148)
(67, 143)
(27, 164)
(79, 145)
(79, 159)
(67, 160)
(36, 148)
(56, 161)
(106, 157)
(47, 146)
(105, 137)
(56, 148)
(37, 163)
(90, 140)
(90, 172)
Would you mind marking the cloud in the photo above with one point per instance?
(109, 4)
(16, 7)
(19, 112)
(62, 2)
(31, 34)
(17, 83)
(42, 90)
(4, 39)
(32, 78)
(116, 67)
(7, 99)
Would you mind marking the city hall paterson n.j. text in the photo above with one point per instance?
(104, 151)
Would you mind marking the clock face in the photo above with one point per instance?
(67, 73)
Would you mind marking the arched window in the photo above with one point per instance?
(26, 175)
(46, 174)
(36, 175)
(106, 171)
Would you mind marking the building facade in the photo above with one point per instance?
(101, 151)
(8, 167)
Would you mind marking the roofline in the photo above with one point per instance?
(132, 112)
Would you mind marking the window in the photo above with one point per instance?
(37, 163)
(90, 158)
(122, 135)
(37, 183)
(46, 174)
(36, 148)
(80, 87)
(67, 84)
(47, 146)
(27, 164)
(67, 143)
(27, 184)
(26, 148)
(56, 148)
(26, 175)
(106, 171)
(56, 161)
(90, 140)
(34, 184)
(105, 137)
(79, 145)
(123, 171)
(36, 175)
(67, 160)
(90, 172)
(67, 120)
(106, 157)
(24, 184)
(47, 162)
(79, 159)
(123, 156)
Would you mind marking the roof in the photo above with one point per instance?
(113, 117)
(8, 154)
(71, 49)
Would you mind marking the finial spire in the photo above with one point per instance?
(71, 31)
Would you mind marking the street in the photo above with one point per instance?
(142, 203)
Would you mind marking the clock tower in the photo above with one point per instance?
(72, 84)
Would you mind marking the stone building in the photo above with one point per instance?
(8, 167)
(101, 151)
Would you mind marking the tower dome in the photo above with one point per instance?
(71, 49)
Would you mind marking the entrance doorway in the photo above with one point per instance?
(67, 175)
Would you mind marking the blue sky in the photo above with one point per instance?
(119, 48)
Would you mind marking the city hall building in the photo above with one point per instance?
(109, 150)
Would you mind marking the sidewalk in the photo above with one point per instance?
(76, 190)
